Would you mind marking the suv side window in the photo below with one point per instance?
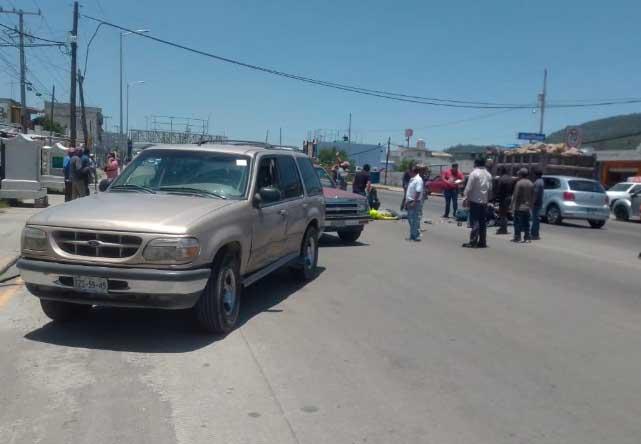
(290, 184)
(550, 183)
(310, 178)
(268, 174)
(635, 189)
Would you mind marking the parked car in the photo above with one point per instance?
(183, 226)
(624, 200)
(574, 198)
(345, 213)
(436, 185)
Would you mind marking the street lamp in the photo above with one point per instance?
(123, 34)
(129, 85)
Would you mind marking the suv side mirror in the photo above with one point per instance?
(267, 195)
(104, 184)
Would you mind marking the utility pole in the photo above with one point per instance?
(53, 99)
(23, 88)
(349, 131)
(389, 141)
(83, 115)
(280, 136)
(74, 68)
(267, 137)
(542, 98)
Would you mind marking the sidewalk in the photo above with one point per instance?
(12, 220)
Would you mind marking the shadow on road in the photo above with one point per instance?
(161, 331)
(328, 240)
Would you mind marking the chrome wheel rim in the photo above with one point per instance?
(310, 253)
(228, 288)
(553, 214)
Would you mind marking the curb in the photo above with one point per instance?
(6, 265)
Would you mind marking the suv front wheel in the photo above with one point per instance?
(306, 269)
(218, 307)
(64, 311)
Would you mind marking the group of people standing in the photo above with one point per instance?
(79, 170)
(523, 198)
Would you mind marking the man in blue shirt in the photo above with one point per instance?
(66, 168)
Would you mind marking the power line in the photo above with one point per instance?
(32, 36)
(439, 125)
(358, 90)
(365, 91)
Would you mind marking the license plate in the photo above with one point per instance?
(90, 284)
(352, 222)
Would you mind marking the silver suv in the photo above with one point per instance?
(574, 198)
(183, 226)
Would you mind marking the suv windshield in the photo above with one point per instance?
(326, 180)
(588, 186)
(620, 187)
(201, 173)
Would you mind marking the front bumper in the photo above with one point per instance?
(127, 287)
(346, 223)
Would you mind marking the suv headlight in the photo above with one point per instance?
(34, 239)
(170, 250)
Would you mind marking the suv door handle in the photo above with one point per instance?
(282, 212)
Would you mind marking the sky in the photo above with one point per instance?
(492, 51)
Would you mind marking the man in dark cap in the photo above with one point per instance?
(522, 200)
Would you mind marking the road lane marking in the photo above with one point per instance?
(7, 293)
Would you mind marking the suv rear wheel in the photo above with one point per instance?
(218, 307)
(308, 256)
(64, 311)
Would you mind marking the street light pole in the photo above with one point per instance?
(129, 85)
(123, 34)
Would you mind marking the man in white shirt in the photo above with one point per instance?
(477, 193)
(413, 200)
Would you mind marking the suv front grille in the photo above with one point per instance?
(87, 243)
(340, 209)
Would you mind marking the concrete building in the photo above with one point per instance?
(10, 113)
(617, 165)
(61, 115)
(359, 153)
(436, 160)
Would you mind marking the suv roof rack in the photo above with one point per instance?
(265, 145)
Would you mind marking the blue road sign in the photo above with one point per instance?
(532, 136)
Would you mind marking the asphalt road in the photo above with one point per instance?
(393, 342)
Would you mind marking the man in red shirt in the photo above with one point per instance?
(453, 179)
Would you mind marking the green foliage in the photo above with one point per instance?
(405, 164)
(48, 125)
(327, 157)
(466, 149)
(608, 128)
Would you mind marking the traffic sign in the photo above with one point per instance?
(573, 137)
(532, 136)
(409, 132)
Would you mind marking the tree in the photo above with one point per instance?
(48, 125)
(405, 164)
(327, 156)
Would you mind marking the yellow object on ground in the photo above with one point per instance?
(382, 215)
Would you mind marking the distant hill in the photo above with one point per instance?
(608, 131)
